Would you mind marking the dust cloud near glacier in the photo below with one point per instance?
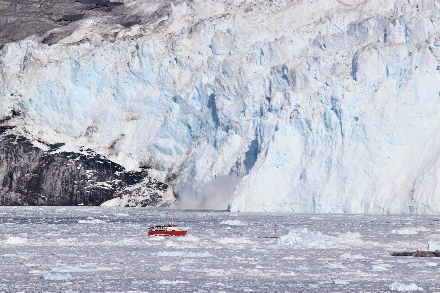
(215, 195)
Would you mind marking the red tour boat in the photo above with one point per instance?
(166, 230)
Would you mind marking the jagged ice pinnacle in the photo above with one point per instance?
(320, 106)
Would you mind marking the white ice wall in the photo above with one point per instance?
(337, 100)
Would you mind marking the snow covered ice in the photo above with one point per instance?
(323, 106)
(317, 106)
(338, 253)
(404, 288)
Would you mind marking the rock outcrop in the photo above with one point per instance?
(32, 176)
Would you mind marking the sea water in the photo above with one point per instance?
(96, 249)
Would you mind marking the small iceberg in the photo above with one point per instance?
(306, 238)
(400, 287)
(56, 277)
(181, 254)
(16, 240)
(69, 269)
(233, 223)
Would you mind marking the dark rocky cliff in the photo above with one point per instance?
(31, 176)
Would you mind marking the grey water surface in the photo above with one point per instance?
(96, 249)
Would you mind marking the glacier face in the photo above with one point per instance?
(321, 106)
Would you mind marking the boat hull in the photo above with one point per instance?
(167, 233)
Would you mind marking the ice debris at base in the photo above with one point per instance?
(233, 223)
(13, 240)
(410, 230)
(321, 106)
(404, 288)
(182, 254)
(307, 238)
(259, 265)
(56, 277)
(115, 202)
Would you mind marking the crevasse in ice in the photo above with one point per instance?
(321, 106)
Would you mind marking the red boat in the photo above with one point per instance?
(166, 230)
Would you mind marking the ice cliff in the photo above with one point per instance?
(320, 106)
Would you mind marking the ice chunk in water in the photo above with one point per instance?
(404, 288)
(409, 230)
(93, 221)
(306, 238)
(16, 240)
(182, 254)
(232, 223)
(433, 245)
(168, 282)
(68, 269)
(350, 256)
(56, 277)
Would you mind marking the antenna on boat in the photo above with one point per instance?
(171, 223)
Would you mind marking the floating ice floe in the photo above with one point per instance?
(409, 230)
(16, 240)
(184, 268)
(351, 256)
(69, 242)
(19, 256)
(69, 269)
(380, 267)
(187, 238)
(256, 273)
(91, 221)
(233, 223)
(304, 237)
(228, 240)
(168, 282)
(56, 277)
(404, 288)
(336, 265)
(288, 274)
(182, 254)
(121, 215)
(422, 265)
(433, 245)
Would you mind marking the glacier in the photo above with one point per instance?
(317, 106)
